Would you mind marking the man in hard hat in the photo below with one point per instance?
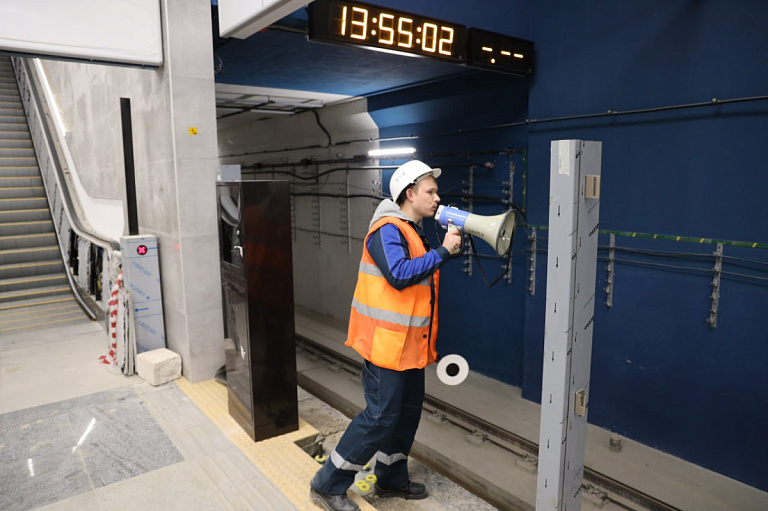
(392, 325)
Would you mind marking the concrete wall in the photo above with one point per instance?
(325, 259)
(175, 169)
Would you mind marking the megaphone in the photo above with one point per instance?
(496, 230)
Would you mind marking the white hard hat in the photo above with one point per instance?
(407, 174)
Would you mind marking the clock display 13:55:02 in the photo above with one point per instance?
(390, 29)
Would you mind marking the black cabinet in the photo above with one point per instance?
(257, 298)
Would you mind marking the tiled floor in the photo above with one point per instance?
(74, 436)
(55, 451)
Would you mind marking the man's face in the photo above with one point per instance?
(424, 197)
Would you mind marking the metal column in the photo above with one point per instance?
(574, 207)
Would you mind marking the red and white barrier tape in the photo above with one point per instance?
(110, 358)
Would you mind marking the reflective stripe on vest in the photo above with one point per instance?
(388, 327)
(372, 269)
(389, 316)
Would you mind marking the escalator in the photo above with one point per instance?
(34, 291)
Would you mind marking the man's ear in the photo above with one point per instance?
(409, 194)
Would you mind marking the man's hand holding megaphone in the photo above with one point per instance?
(496, 230)
(452, 240)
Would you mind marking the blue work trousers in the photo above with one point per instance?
(385, 428)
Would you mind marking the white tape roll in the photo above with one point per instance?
(452, 369)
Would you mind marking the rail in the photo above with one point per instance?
(613, 490)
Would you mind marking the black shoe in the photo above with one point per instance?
(333, 502)
(414, 491)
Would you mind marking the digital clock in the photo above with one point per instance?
(499, 52)
(359, 24)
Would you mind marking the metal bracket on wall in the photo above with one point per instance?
(345, 219)
(507, 187)
(344, 207)
(715, 297)
(468, 190)
(508, 190)
(317, 238)
(293, 209)
(507, 267)
(532, 267)
(609, 269)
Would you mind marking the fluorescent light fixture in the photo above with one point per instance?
(270, 111)
(395, 151)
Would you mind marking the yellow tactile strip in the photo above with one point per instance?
(284, 463)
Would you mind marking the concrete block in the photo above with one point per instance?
(159, 366)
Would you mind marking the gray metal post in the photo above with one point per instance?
(574, 206)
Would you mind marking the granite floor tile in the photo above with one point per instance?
(120, 439)
(39, 480)
(56, 451)
(32, 438)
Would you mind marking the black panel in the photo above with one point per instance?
(257, 293)
(130, 172)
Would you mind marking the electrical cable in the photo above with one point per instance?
(317, 117)
(740, 259)
(307, 178)
(671, 255)
(339, 195)
(299, 183)
(528, 122)
(658, 265)
(508, 258)
(655, 253)
(686, 268)
(314, 231)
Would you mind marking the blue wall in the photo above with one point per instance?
(660, 374)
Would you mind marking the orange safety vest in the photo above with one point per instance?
(390, 328)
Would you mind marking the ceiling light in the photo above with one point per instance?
(270, 111)
(395, 151)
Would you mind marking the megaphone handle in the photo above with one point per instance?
(453, 227)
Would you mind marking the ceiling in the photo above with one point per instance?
(279, 72)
